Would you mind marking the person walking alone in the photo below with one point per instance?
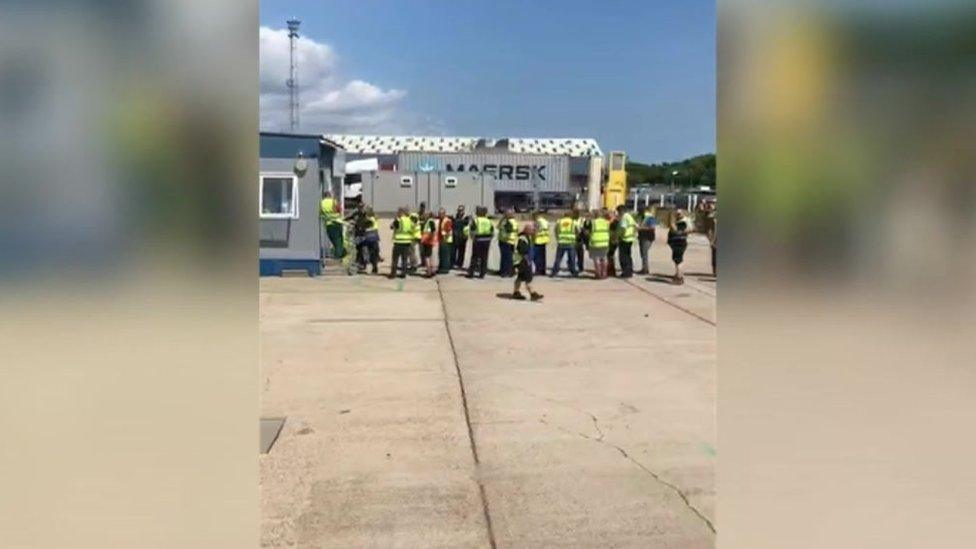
(541, 241)
(482, 232)
(524, 268)
(402, 240)
(627, 227)
(566, 240)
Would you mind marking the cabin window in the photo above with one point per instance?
(278, 196)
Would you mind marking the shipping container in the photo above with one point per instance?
(508, 171)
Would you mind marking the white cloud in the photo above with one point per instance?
(328, 104)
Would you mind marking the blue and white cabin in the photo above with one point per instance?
(295, 172)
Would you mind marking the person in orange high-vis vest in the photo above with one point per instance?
(428, 239)
(445, 247)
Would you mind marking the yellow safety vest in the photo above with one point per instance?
(404, 230)
(600, 233)
(542, 231)
(329, 211)
(566, 231)
(482, 226)
(508, 231)
(578, 224)
(374, 225)
(628, 228)
(466, 231)
(416, 227)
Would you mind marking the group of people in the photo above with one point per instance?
(608, 236)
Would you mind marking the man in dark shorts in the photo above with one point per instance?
(678, 241)
(524, 269)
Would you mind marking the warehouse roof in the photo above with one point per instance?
(393, 144)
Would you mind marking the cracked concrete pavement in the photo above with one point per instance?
(586, 420)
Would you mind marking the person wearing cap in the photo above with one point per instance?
(678, 241)
(524, 270)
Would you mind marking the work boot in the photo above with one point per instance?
(518, 296)
(535, 296)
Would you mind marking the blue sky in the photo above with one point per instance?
(637, 75)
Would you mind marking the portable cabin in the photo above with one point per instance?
(296, 170)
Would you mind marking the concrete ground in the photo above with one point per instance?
(434, 413)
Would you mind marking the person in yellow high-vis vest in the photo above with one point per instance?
(402, 240)
(566, 235)
(331, 215)
(507, 237)
(481, 231)
(627, 229)
(540, 243)
(600, 241)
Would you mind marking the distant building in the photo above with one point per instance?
(448, 171)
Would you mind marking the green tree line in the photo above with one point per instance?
(694, 171)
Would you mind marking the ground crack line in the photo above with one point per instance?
(676, 490)
(655, 476)
(467, 421)
(675, 305)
